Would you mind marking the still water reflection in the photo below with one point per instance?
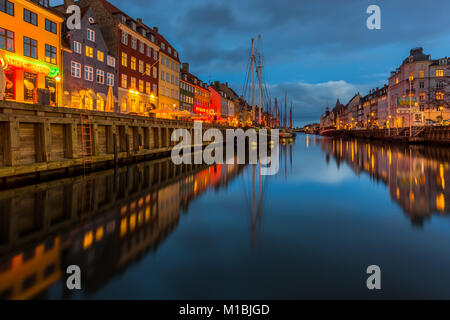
(159, 231)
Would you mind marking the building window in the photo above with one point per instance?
(155, 73)
(124, 38)
(396, 81)
(30, 17)
(133, 63)
(141, 47)
(50, 54)
(440, 84)
(110, 79)
(89, 52)
(421, 85)
(91, 35)
(76, 47)
(50, 26)
(124, 81)
(76, 69)
(100, 76)
(29, 47)
(163, 46)
(133, 43)
(422, 96)
(175, 54)
(88, 73)
(439, 73)
(421, 74)
(141, 66)
(141, 86)
(149, 52)
(155, 88)
(111, 61)
(133, 83)
(7, 7)
(147, 88)
(439, 96)
(124, 59)
(155, 55)
(100, 56)
(148, 70)
(6, 39)
(162, 75)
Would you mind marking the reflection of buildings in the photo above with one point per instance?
(415, 176)
(102, 223)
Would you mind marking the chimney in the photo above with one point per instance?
(68, 3)
(185, 67)
(155, 29)
(139, 20)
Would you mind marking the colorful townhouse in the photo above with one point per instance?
(169, 67)
(201, 94)
(30, 51)
(89, 69)
(136, 47)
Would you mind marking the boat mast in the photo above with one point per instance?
(259, 79)
(285, 110)
(253, 79)
(290, 117)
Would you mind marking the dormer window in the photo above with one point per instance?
(143, 32)
(169, 49)
(152, 38)
(124, 19)
(133, 25)
(163, 46)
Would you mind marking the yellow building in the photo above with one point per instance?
(30, 50)
(169, 75)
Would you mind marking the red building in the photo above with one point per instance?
(214, 104)
(136, 47)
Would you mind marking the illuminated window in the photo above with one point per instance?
(141, 86)
(89, 52)
(91, 35)
(133, 63)
(422, 96)
(396, 81)
(141, 66)
(124, 59)
(439, 73)
(147, 88)
(6, 39)
(155, 88)
(411, 76)
(100, 56)
(421, 74)
(124, 81)
(88, 73)
(133, 83)
(439, 96)
(148, 70)
(30, 17)
(29, 47)
(7, 7)
(50, 54)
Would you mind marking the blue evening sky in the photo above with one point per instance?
(317, 51)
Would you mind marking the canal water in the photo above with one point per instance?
(156, 231)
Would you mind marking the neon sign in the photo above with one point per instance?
(30, 66)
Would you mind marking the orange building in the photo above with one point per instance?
(30, 51)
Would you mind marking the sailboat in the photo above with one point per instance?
(286, 133)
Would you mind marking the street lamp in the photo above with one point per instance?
(442, 116)
(411, 78)
(58, 80)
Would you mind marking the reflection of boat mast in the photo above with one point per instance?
(253, 78)
(285, 109)
(253, 204)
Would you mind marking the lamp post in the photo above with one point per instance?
(57, 80)
(442, 115)
(411, 78)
